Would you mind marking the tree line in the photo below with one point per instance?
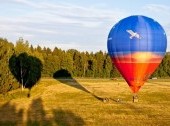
(78, 64)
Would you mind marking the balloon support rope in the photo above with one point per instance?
(135, 98)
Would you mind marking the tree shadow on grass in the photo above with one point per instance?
(67, 118)
(65, 77)
(36, 115)
(10, 116)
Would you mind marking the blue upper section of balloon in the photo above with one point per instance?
(137, 34)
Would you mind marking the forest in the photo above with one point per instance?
(22, 65)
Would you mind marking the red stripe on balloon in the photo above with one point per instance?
(136, 71)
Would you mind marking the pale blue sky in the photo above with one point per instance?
(80, 24)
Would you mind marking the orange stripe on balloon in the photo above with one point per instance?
(141, 57)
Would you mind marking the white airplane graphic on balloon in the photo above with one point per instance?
(133, 34)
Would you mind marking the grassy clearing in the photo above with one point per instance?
(80, 102)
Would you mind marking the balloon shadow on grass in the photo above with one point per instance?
(65, 77)
(26, 69)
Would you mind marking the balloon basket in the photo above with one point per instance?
(135, 98)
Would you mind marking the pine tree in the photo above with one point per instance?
(100, 61)
(7, 80)
(22, 46)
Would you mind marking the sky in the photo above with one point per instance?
(83, 25)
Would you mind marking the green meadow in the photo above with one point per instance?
(87, 102)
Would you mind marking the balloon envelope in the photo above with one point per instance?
(137, 45)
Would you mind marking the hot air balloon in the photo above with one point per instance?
(137, 45)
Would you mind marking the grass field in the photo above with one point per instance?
(82, 102)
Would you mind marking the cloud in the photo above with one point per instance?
(167, 30)
(58, 24)
(157, 8)
(160, 13)
(25, 2)
(71, 45)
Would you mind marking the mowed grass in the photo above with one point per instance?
(91, 102)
